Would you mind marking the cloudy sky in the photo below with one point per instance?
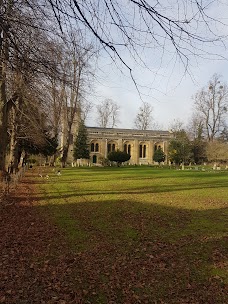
(163, 83)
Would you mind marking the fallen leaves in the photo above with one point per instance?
(38, 266)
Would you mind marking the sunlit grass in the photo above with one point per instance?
(176, 197)
(141, 212)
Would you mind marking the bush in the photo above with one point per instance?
(159, 156)
(119, 157)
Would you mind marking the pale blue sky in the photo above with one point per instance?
(164, 84)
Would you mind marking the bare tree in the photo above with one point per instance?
(143, 120)
(28, 54)
(217, 151)
(86, 107)
(195, 127)
(75, 75)
(117, 25)
(107, 114)
(180, 28)
(23, 56)
(28, 114)
(211, 103)
(176, 125)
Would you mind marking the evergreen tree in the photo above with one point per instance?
(159, 156)
(179, 149)
(81, 149)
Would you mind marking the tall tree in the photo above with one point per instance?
(81, 148)
(211, 103)
(118, 26)
(75, 74)
(195, 131)
(23, 55)
(143, 120)
(195, 127)
(108, 113)
(4, 105)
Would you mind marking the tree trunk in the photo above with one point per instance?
(4, 107)
(13, 145)
(3, 115)
(66, 149)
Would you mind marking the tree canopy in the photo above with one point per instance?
(47, 44)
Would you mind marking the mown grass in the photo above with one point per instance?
(162, 230)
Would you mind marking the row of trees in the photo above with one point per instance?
(205, 138)
(45, 50)
(108, 115)
(210, 114)
(44, 75)
(181, 149)
(184, 150)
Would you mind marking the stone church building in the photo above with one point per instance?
(140, 144)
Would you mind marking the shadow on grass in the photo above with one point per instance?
(135, 253)
(125, 188)
(130, 252)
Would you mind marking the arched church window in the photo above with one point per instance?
(129, 149)
(140, 151)
(125, 148)
(92, 147)
(144, 151)
(113, 147)
(109, 148)
(96, 147)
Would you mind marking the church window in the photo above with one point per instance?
(111, 147)
(125, 148)
(92, 147)
(144, 151)
(129, 149)
(96, 147)
(140, 151)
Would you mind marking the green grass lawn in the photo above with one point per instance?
(143, 234)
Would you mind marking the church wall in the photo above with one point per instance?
(142, 143)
